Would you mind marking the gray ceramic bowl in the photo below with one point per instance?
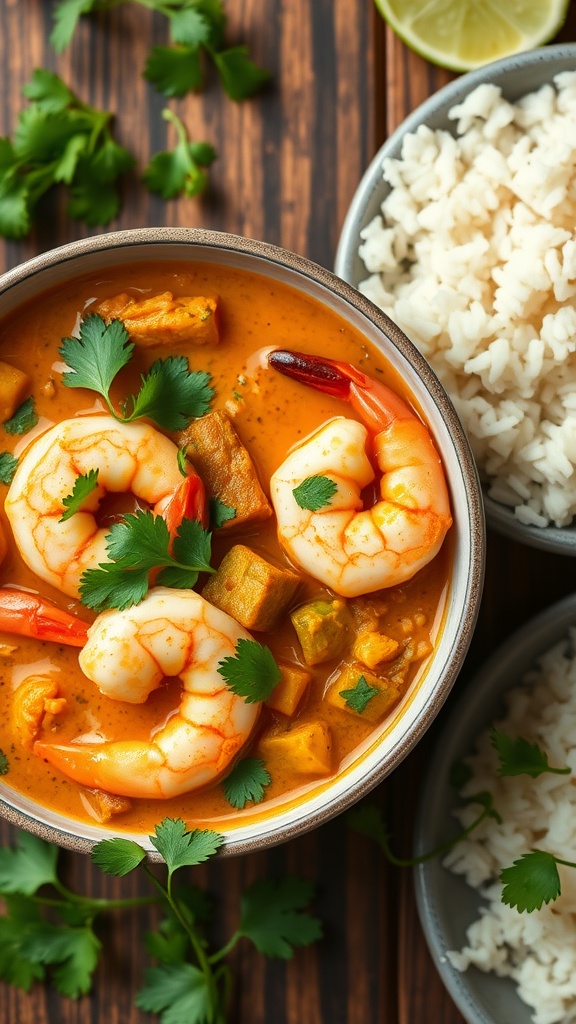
(428, 692)
(517, 75)
(446, 904)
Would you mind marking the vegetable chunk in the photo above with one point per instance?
(106, 805)
(288, 693)
(380, 694)
(218, 455)
(323, 629)
(15, 386)
(372, 648)
(165, 319)
(34, 699)
(304, 750)
(250, 589)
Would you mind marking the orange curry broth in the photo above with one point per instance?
(271, 413)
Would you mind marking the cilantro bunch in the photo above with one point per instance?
(59, 140)
(197, 34)
(49, 931)
(533, 879)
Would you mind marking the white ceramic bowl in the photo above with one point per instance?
(516, 75)
(446, 904)
(428, 694)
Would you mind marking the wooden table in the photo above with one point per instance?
(288, 164)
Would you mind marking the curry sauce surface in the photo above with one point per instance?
(270, 413)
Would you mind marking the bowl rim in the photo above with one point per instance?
(503, 670)
(499, 517)
(474, 524)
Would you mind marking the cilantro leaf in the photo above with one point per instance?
(178, 992)
(23, 419)
(169, 944)
(16, 966)
(367, 820)
(273, 917)
(95, 358)
(174, 70)
(252, 672)
(27, 866)
(110, 586)
(531, 881)
(192, 545)
(180, 170)
(171, 394)
(220, 513)
(74, 951)
(247, 781)
(117, 856)
(315, 492)
(239, 75)
(14, 207)
(66, 16)
(360, 695)
(519, 757)
(8, 466)
(181, 848)
(47, 90)
(460, 774)
(84, 485)
(4, 763)
(190, 27)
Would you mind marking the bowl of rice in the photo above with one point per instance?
(462, 231)
(498, 964)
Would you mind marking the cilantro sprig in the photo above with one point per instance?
(136, 546)
(251, 672)
(49, 932)
(359, 696)
(59, 140)
(196, 32)
(519, 757)
(170, 394)
(182, 170)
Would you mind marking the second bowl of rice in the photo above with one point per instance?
(462, 231)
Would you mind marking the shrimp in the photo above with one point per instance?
(352, 549)
(128, 654)
(28, 614)
(129, 457)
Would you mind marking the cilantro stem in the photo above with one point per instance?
(69, 896)
(214, 959)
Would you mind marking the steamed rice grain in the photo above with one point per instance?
(537, 950)
(474, 257)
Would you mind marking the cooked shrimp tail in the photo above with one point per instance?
(352, 549)
(128, 655)
(188, 501)
(28, 614)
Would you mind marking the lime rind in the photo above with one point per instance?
(465, 34)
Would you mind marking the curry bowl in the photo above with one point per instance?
(441, 245)
(188, 631)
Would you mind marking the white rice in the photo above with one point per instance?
(474, 257)
(536, 950)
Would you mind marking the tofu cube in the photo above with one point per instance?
(220, 458)
(165, 319)
(250, 589)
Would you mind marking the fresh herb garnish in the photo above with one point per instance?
(252, 672)
(246, 782)
(220, 513)
(25, 416)
(136, 546)
(315, 492)
(359, 696)
(519, 757)
(179, 171)
(49, 930)
(531, 880)
(196, 30)
(170, 394)
(4, 763)
(8, 466)
(59, 140)
(182, 461)
(84, 485)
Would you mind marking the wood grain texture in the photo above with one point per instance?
(289, 161)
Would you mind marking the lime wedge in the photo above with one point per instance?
(464, 34)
